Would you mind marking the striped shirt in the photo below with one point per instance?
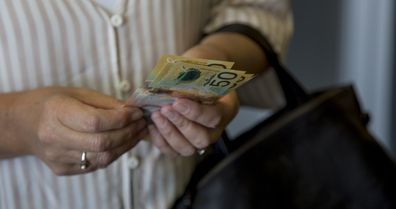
(79, 43)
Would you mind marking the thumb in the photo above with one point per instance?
(97, 99)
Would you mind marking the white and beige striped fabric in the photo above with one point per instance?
(79, 43)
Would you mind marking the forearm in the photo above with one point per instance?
(11, 128)
(19, 115)
(246, 54)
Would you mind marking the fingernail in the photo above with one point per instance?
(180, 107)
(134, 112)
(137, 114)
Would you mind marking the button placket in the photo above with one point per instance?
(115, 21)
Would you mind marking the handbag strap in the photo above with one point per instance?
(294, 92)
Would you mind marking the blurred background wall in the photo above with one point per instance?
(340, 42)
(393, 105)
(350, 42)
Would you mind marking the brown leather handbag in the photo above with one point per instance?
(315, 153)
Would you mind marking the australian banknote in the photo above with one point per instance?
(198, 79)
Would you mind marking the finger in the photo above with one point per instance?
(193, 132)
(71, 163)
(104, 159)
(65, 160)
(72, 169)
(96, 99)
(93, 142)
(81, 117)
(206, 115)
(160, 142)
(67, 169)
(172, 136)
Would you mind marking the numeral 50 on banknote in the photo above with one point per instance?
(225, 79)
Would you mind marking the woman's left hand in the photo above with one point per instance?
(187, 126)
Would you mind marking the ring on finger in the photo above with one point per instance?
(84, 163)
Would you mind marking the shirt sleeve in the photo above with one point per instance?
(273, 19)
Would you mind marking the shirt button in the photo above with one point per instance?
(133, 162)
(125, 86)
(116, 20)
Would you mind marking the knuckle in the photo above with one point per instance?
(100, 143)
(214, 121)
(195, 112)
(92, 123)
(187, 151)
(123, 119)
(203, 142)
(184, 123)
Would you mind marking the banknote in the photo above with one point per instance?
(204, 81)
(201, 80)
(149, 101)
(165, 59)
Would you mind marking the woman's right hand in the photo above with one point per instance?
(58, 124)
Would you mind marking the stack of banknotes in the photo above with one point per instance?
(201, 80)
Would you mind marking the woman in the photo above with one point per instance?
(67, 66)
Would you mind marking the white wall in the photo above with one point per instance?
(342, 42)
(366, 58)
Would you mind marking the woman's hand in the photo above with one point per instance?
(59, 124)
(187, 126)
(182, 132)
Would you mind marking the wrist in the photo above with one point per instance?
(229, 107)
(231, 104)
(10, 125)
(20, 113)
